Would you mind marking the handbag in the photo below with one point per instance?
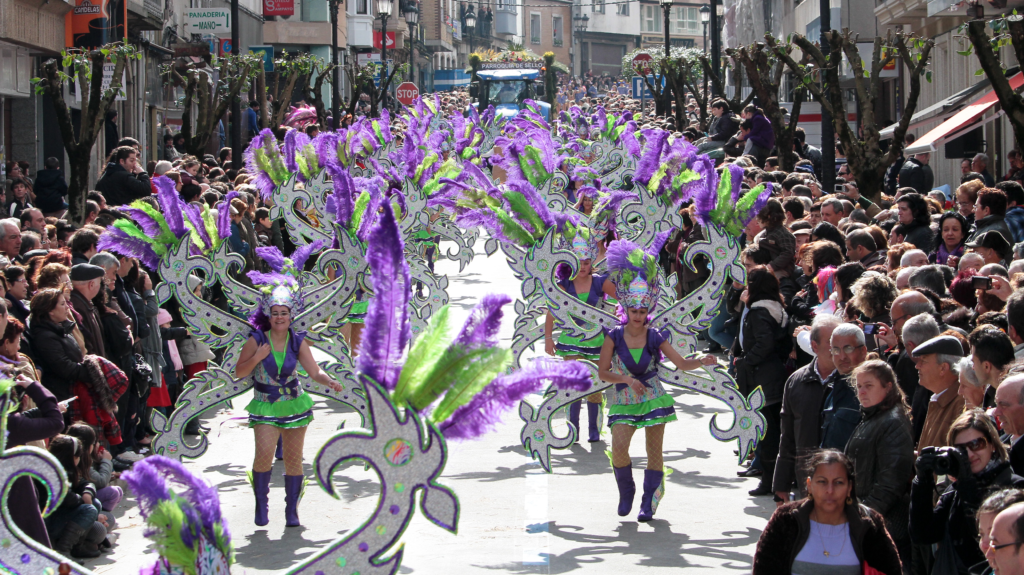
(142, 374)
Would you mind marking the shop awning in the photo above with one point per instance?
(963, 121)
(945, 108)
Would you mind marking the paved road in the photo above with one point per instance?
(514, 517)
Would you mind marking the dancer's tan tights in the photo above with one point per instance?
(622, 434)
(266, 445)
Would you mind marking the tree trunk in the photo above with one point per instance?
(261, 96)
(78, 187)
(1010, 101)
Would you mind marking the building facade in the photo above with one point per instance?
(547, 27)
(611, 31)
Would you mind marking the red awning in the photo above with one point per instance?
(961, 121)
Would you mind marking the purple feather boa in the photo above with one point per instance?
(386, 333)
(483, 412)
(224, 216)
(170, 204)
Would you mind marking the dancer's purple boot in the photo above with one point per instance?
(574, 417)
(261, 486)
(292, 493)
(627, 488)
(649, 500)
(593, 414)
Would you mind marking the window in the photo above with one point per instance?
(534, 28)
(687, 20)
(597, 6)
(652, 18)
(622, 9)
(362, 6)
(556, 30)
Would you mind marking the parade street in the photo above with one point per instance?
(514, 518)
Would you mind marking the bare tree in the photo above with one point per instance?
(685, 74)
(211, 101)
(766, 71)
(738, 101)
(288, 70)
(1008, 30)
(313, 90)
(864, 154)
(362, 80)
(85, 67)
(653, 73)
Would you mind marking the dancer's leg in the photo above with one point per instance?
(294, 440)
(622, 435)
(655, 440)
(266, 444)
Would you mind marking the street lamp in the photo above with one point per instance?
(717, 10)
(470, 26)
(384, 8)
(705, 17)
(412, 16)
(579, 26)
(666, 8)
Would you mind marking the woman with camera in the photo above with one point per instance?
(976, 463)
(882, 448)
(829, 531)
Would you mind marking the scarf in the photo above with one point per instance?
(943, 255)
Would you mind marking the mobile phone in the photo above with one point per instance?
(870, 329)
(981, 282)
(68, 401)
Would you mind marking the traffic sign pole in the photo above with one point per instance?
(237, 148)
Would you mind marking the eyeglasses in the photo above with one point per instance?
(973, 445)
(847, 349)
(998, 547)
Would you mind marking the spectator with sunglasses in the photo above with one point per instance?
(979, 464)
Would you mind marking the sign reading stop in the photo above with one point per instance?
(641, 63)
(407, 92)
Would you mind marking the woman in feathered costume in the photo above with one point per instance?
(272, 355)
(590, 289)
(629, 358)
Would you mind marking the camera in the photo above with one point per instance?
(870, 329)
(981, 282)
(947, 461)
(840, 188)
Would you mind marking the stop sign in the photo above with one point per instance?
(641, 63)
(407, 92)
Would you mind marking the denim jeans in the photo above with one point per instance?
(718, 332)
(84, 516)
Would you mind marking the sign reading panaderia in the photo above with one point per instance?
(533, 65)
(208, 20)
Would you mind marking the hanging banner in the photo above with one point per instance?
(93, 23)
(278, 7)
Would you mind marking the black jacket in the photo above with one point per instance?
(882, 451)
(841, 413)
(955, 510)
(724, 128)
(907, 378)
(50, 189)
(789, 527)
(920, 235)
(1016, 456)
(917, 175)
(992, 223)
(801, 425)
(762, 354)
(120, 188)
(62, 358)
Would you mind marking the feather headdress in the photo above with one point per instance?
(635, 272)
(186, 525)
(728, 207)
(282, 285)
(263, 157)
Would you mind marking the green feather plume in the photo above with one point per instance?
(424, 355)
(460, 374)
(170, 517)
(518, 203)
(357, 212)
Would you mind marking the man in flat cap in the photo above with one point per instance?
(86, 281)
(937, 361)
(991, 246)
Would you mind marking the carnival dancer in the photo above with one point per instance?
(272, 355)
(589, 288)
(630, 358)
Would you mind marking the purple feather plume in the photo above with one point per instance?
(481, 329)
(294, 140)
(272, 256)
(617, 256)
(651, 158)
(736, 177)
(386, 332)
(301, 254)
(119, 242)
(170, 205)
(195, 217)
(483, 412)
(147, 224)
(224, 216)
(659, 241)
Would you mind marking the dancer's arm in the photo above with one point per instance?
(604, 368)
(251, 355)
(549, 334)
(313, 369)
(686, 364)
